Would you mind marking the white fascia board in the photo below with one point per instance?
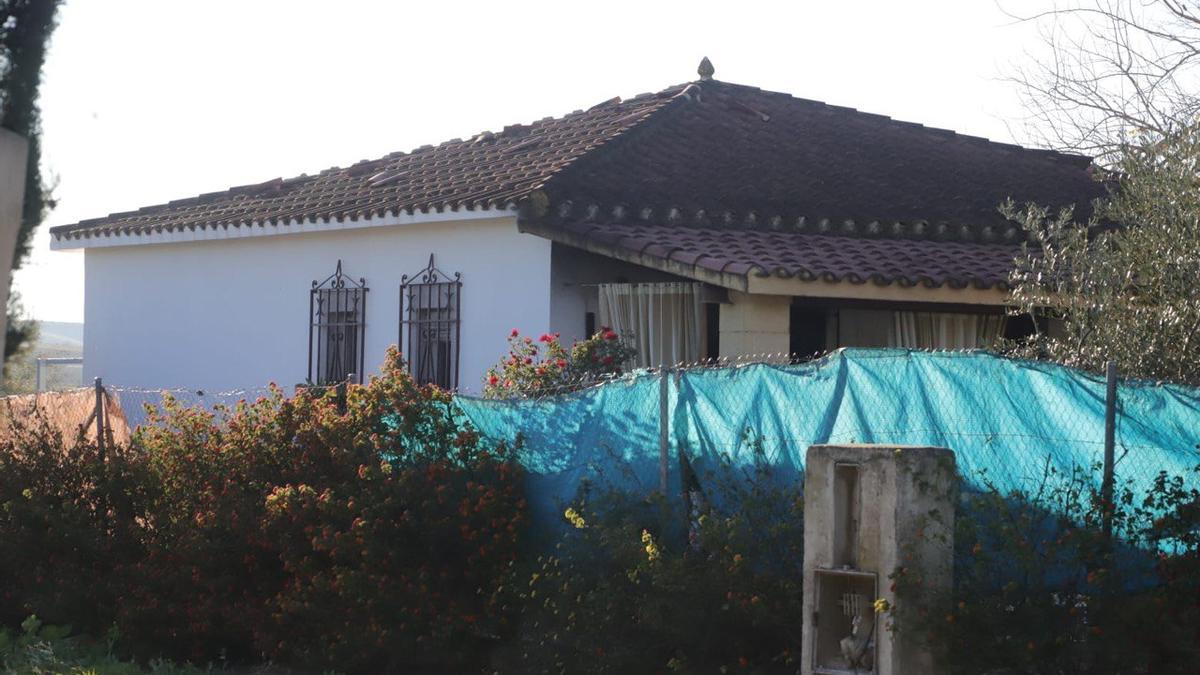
(263, 229)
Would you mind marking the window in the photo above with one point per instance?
(945, 330)
(712, 331)
(429, 325)
(807, 329)
(337, 309)
(661, 320)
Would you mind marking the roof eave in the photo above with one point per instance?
(764, 284)
(992, 296)
(736, 282)
(84, 238)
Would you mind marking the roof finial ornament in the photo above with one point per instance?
(706, 69)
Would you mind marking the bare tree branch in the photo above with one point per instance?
(1111, 72)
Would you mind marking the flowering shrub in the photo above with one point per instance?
(61, 525)
(373, 539)
(1040, 589)
(546, 366)
(626, 590)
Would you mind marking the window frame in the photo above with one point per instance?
(439, 296)
(340, 294)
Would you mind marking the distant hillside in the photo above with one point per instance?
(56, 339)
(61, 331)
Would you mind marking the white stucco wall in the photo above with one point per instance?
(233, 313)
(755, 325)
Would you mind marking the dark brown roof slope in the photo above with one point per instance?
(737, 180)
(732, 175)
(739, 157)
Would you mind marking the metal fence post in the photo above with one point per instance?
(100, 417)
(341, 393)
(664, 422)
(1110, 436)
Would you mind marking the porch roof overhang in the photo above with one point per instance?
(804, 265)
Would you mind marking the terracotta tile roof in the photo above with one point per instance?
(810, 257)
(493, 169)
(729, 175)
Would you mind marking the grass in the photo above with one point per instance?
(44, 650)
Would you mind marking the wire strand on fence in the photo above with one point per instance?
(1049, 416)
(1013, 423)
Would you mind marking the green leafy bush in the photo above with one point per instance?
(638, 585)
(51, 650)
(1040, 589)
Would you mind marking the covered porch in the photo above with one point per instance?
(676, 318)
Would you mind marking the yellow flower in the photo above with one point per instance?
(27, 493)
(882, 605)
(652, 552)
(574, 518)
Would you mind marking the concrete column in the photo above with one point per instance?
(870, 510)
(755, 324)
(13, 151)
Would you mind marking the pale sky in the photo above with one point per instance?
(145, 101)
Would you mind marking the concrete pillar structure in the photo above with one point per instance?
(14, 150)
(870, 510)
(755, 324)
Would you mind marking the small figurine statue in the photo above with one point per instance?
(855, 646)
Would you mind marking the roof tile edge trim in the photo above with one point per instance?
(82, 239)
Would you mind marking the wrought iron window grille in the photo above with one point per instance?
(337, 309)
(431, 325)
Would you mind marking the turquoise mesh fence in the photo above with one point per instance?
(1011, 423)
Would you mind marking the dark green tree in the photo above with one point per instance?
(25, 28)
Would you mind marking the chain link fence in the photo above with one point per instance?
(136, 401)
(1014, 425)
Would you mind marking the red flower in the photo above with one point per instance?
(608, 360)
(528, 360)
(562, 363)
(493, 380)
(515, 332)
(546, 337)
(609, 335)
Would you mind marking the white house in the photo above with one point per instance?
(708, 219)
